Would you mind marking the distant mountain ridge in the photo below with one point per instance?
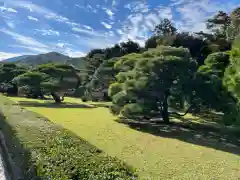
(51, 57)
(35, 60)
(18, 58)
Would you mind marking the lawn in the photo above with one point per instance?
(168, 153)
(40, 149)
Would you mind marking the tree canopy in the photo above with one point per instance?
(54, 79)
(143, 89)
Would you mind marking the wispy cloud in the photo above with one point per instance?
(74, 53)
(10, 10)
(89, 32)
(193, 14)
(24, 40)
(88, 27)
(106, 25)
(108, 12)
(42, 11)
(114, 3)
(32, 18)
(138, 25)
(32, 49)
(6, 55)
(10, 24)
(138, 6)
(48, 32)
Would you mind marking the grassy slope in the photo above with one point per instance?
(56, 153)
(155, 157)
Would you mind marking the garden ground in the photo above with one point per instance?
(156, 151)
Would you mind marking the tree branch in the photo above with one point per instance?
(184, 113)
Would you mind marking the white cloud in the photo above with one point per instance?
(138, 6)
(48, 32)
(193, 14)
(73, 53)
(106, 25)
(32, 48)
(56, 17)
(138, 25)
(32, 18)
(10, 24)
(89, 32)
(68, 50)
(108, 11)
(87, 27)
(60, 45)
(24, 40)
(36, 9)
(114, 3)
(6, 55)
(119, 31)
(91, 9)
(4, 9)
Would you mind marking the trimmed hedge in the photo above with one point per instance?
(40, 149)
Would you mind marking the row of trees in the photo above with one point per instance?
(47, 79)
(199, 44)
(175, 69)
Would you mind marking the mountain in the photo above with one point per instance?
(52, 57)
(35, 60)
(18, 58)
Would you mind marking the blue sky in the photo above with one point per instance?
(73, 27)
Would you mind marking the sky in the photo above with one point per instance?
(73, 27)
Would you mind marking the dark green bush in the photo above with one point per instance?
(68, 157)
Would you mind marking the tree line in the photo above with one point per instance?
(182, 70)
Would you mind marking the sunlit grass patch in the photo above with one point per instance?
(168, 153)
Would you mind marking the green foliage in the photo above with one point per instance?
(99, 67)
(151, 42)
(165, 28)
(217, 63)
(150, 80)
(67, 157)
(219, 23)
(231, 77)
(102, 78)
(210, 89)
(234, 28)
(8, 71)
(49, 79)
(114, 89)
(132, 110)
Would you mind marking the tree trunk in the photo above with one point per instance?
(56, 97)
(165, 113)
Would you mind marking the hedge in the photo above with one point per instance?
(40, 149)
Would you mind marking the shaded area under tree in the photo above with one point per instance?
(191, 132)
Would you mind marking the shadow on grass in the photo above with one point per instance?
(53, 105)
(101, 105)
(190, 132)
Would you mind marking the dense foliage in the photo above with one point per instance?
(8, 72)
(54, 79)
(149, 79)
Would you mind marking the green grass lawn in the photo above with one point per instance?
(166, 154)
